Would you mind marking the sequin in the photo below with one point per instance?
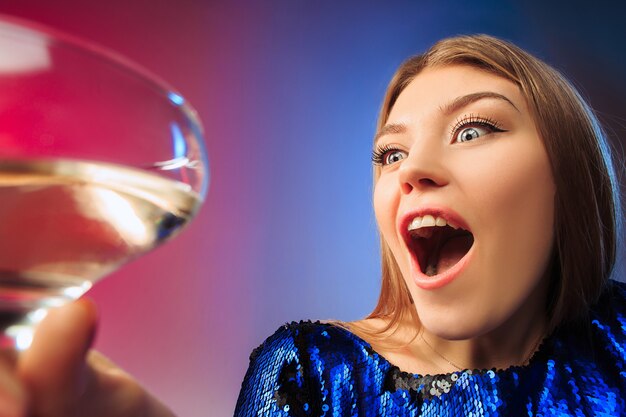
(316, 369)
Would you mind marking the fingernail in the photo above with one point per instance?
(90, 306)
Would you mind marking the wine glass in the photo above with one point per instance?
(100, 162)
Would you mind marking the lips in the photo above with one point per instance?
(440, 243)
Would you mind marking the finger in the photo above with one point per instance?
(113, 392)
(12, 394)
(53, 369)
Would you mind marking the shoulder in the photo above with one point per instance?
(296, 366)
(592, 352)
(608, 314)
(302, 339)
(608, 324)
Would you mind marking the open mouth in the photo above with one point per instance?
(436, 244)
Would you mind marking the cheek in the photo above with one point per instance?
(386, 201)
(517, 201)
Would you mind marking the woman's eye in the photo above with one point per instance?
(472, 127)
(393, 156)
(471, 133)
(387, 155)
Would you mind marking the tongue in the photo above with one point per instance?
(452, 251)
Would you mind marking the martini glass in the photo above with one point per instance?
(100, 162)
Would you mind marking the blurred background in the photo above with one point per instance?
(288, 91)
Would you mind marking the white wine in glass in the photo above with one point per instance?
(100, 162)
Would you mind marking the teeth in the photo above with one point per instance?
(415, 224)
(423, 226)
(428, 221)
(440, 222)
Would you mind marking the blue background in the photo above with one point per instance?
(289, 92)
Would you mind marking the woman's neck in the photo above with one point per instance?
(498, 349)
(512, 343)
(416, 350)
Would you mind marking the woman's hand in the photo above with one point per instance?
(60, 377)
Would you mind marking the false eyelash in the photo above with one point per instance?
(473, 119)
(378, 154)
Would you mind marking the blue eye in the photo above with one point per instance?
(393, 157)
(387, 155)
(472, 127)
(471, 133)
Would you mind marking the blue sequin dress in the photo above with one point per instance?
(317, 369)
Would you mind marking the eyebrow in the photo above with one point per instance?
(390, 128)
(456, 104)
(460, 102)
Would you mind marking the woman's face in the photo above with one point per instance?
(465, 201)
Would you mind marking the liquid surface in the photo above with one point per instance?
(64, 224)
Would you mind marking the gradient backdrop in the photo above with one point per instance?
(288, 92)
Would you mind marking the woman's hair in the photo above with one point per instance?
(587, 205)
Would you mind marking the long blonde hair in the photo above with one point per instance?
(587, 188)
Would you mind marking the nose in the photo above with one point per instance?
(423, 169)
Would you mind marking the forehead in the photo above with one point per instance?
(434, 88)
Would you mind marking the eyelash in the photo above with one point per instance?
(379, 153)
(474, 120)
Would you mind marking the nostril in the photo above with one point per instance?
(421, 174)
(429, 182)
(406, 188)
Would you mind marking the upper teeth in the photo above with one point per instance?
(429, 221)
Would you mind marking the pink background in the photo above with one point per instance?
(288, 92)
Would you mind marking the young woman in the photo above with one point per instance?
(499, 215)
